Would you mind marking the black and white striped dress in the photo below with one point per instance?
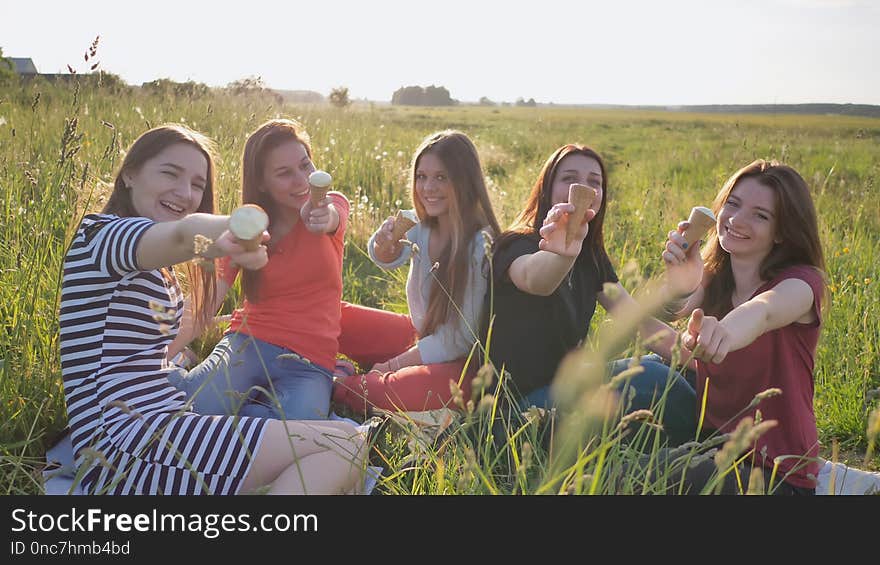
(130, 427)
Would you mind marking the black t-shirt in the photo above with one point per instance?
(531, 333)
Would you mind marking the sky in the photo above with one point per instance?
(632, 52)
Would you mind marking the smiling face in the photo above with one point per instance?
(747, 221)
(285, 175)
(433, 187)
(170, 185)
(577, 168)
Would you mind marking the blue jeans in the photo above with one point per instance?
(678, 413)
(249, 377)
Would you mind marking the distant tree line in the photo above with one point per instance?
(814, 108)
(530, 103)
(167, 87)
(422, 96)
(302, 96)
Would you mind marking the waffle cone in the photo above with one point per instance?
(402, 224)
(316, 194)
(700, 220)
(582, 197)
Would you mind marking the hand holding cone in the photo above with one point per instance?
(247, 223)
(402, 224)
(320, 183)
(582, 196)
(700, 220)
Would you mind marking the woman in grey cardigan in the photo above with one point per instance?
(447, 281)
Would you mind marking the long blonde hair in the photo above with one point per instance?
(469, 211)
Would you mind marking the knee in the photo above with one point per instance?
(650, 384)
(314, 386)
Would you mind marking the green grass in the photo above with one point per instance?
(59, 143)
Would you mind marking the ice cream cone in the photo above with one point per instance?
(403, 222)
(582, 197)
(247, 223)
(320, 184)
(700, 220)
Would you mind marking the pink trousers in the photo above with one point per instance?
(371, 336)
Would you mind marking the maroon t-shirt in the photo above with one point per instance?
(784, 359)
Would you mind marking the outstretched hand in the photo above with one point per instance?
(321, 218)
(706, 338)
(384, 243)
(386, 247)
(229, 245)
(555, 225)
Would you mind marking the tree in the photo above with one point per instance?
(438, 96)
(247, 85)
(7, 70)
(167, 87)
(339, 97)
(418, 96)
(253, 85)
(302, 96)
(111, 82)
(408, 96)
(484, 101)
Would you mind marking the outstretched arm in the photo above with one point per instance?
(168, 243)
(712, 339)
(542, 272)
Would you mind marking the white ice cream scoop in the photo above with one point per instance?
(320, 179)
(320, 184)
(247, 223)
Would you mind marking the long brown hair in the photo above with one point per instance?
(469, 211)
(200, 283)
(797, 230)
(267, 137)
(540, 200)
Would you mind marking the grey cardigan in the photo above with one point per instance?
(454, 339)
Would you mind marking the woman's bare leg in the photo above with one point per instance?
(287, 445)
(319, 473)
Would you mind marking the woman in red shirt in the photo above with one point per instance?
(755, 315)
(278, 356)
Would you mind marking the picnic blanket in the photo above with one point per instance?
(837, 478)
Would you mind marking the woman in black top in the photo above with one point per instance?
(545, 291)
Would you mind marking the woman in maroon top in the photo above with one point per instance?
(755, 316)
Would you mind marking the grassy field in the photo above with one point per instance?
(58, 144)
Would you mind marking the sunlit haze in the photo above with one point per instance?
(675, 52)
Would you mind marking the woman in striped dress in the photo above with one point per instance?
(133, 432)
